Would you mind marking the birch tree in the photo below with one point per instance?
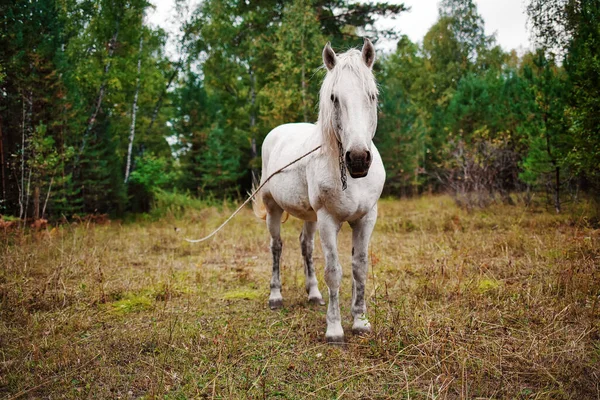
(134, 109)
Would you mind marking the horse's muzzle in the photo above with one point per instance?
(358, 163)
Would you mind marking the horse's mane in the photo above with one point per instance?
(349, 61)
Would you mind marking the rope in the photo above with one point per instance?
(251, 197)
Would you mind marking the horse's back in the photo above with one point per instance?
(288, 138)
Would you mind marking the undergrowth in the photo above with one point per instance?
(175, 205)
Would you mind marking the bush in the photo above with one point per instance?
(151, 175)
(175, 205)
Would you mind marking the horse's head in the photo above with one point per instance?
(348, 106)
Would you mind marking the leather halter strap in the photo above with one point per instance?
(343, 176)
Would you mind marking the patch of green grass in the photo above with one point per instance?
(247, 294)
(132, 302)
(487, 284)
(9, 218)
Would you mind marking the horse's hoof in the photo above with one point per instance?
(275, 304)
(316, 300)
(361, 328)
(335, 340)
(334, 333)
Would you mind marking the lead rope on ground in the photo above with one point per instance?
(251, 197)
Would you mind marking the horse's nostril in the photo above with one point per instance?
(368, 157)
(348, 157)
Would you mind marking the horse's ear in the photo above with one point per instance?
(329, 58)
(368, 53)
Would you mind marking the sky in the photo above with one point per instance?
(504, 18)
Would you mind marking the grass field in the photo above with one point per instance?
(495, 303)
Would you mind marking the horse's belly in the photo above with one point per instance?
(291, 194)
(350, 210)
(305, 215)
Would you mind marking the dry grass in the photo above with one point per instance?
(499, 303)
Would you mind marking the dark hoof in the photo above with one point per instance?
(361, 331)
(316, 300)
(335, 340)
(361, 326)
(275, 304)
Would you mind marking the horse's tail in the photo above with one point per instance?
(258, 206)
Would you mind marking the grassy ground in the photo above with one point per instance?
(497, 303)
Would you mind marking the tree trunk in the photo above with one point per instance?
(26, 128)
(27, 199)
(304, 107)
(36, 203)
(161, 97)
(303, 60)
(253, 150)
(2, 161)
(163, 94)
(22, 186)
(47, 196)
(252, 104)
(134, 111)
(557, 190)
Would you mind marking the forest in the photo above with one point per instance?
(96, 116)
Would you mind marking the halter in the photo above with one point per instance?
(343, 177)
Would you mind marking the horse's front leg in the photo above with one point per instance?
(328, 230)
(361, 235)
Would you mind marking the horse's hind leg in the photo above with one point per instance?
(307, 245)
(274, 213)
(361, 234)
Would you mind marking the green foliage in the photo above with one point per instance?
(153, 173)
(548, 142)
(537, 165)
(463, 24)
(571, 29)
(402, 125)
(436, 91)
(194, 113)
(101, 177)
(71, 69)
(290, 94)
(150, 175)
(582, 65)
(220, 164)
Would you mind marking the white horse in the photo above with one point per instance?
(317, 190)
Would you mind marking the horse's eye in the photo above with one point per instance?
(333, 98)
(373, 97)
